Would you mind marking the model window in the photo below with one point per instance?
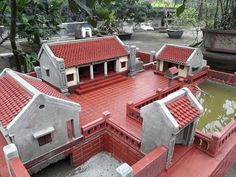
(194, 69)
(70, 77)
(70, 129)
(123, 64)
(181, 67)
(45, 139)
(48, 72)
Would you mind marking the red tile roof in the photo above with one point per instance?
(44, 88)
(183, 111)
(85, 52)
(173, 70)
(12, 99)
(175, 54)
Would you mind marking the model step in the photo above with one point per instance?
(100, 84)
(99, 81)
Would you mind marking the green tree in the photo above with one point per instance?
(32, 19)
(133, 10)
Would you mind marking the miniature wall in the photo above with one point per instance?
(73, 71)
(144, 57)
(40, 115)
(119, 68)
(104, 135)
(53, 70)
(17, 168)
(152, 164)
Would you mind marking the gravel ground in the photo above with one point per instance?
(101, 165)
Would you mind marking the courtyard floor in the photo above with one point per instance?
(114, 98)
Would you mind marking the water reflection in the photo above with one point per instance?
(219, 102)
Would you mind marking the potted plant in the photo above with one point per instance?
(175, 32)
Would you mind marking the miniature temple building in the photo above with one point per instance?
(169, 121)
(188, 60)
(67, 64)
(36, 117)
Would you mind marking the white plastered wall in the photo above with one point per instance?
(122, 59)
(74, 72)
(183, 72)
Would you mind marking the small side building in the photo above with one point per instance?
(66, 64)
(39, 120)
(188, 60)
(169, 121)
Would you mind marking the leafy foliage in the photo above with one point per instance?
(38, 18)
(30, 61)
(218, 14)
(4, 13)
(163, 3)
(187, 19)
(134, 10)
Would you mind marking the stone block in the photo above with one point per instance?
(125, 170)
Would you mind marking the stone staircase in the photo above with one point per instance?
(99, 84)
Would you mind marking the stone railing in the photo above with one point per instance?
(105, 124)
(94, 127)
(164, 92)
(133, 109)
(133, 112)
(211, 144)
(123, 135)
(222, 77)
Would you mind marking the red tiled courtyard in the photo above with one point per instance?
(114, 98)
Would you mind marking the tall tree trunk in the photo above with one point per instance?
(37, 39)
(13, 6)
(215, 18)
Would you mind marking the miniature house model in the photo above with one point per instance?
(34, 116)
(188, 60)
(67, 64)
(170, 121)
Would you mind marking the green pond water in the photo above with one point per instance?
(219, 102)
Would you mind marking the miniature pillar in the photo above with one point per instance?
(91, 72)
(37, 69)
(117, 65)
(106, 115)
(215, 143)
(10, 152)
(132, 61)
(105, 68)
(124, 170)
(152, 56)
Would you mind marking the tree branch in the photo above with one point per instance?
(4, 39)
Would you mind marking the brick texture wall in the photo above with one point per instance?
(105, 142)
(151, 165)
